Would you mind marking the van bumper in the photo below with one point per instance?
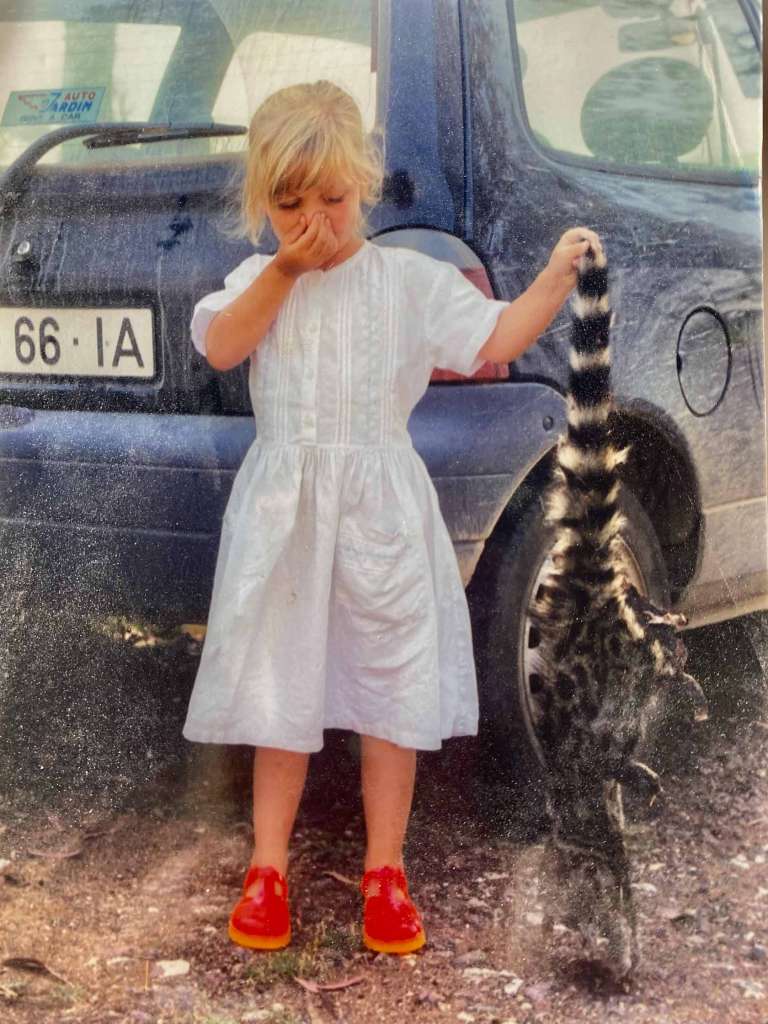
(126, 508)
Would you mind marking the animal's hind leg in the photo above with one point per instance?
(621, 923)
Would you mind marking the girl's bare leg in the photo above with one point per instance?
(388, 776)
(278, 782)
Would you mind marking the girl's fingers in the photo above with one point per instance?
(331, 240)
(577, 249)
(297, 231)
(312, 232)
(575, 235)
(316, 245)
(326, 241)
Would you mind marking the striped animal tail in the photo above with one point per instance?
(583, 501)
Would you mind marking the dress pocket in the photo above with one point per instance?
(366, 548)
(381, 587)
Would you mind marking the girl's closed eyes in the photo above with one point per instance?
(294, 204)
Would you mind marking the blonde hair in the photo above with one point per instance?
(302, 136)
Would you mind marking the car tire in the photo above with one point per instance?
(511, 765)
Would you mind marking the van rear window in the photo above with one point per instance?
(177, 62)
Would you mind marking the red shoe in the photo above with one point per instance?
(262, 921)
(391, 923)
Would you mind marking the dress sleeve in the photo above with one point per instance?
(459, 320)
(235, 284)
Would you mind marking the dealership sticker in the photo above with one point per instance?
(53, 106)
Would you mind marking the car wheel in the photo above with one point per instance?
(514, 565)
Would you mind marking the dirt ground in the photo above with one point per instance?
(120, 858)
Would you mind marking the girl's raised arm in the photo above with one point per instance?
(521, 323)
(237, 329)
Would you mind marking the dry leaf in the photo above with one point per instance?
(330, 986)
(96, 831)
(25, 963)
(29, 963)
(310, 986)
(56, 854)
(342, 878)
(679, 915)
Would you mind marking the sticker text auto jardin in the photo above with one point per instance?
(53, 106)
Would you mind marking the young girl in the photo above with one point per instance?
(337, 600)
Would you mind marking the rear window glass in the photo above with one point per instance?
(266, 61)
(172, 63)
(672, 84)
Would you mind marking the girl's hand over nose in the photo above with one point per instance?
(307, 246)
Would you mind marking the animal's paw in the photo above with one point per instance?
(655, 617)
(640, 779)
(696, 694)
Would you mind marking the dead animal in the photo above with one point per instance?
(605, 654)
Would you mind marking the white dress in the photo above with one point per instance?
(337, 600)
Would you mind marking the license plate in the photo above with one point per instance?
(77, 342)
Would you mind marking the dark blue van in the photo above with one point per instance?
(506, 121)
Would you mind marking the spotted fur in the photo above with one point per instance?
(605, 653)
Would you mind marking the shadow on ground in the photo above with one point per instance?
(91, 711)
